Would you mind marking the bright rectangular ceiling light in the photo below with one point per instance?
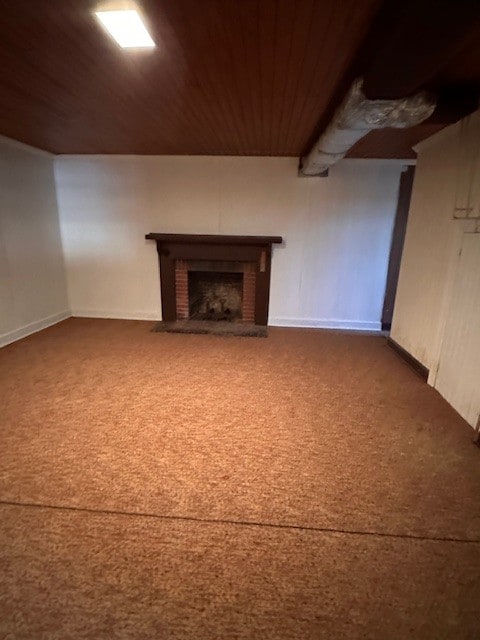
(126, 27)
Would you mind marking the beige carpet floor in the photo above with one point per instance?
(306, 485)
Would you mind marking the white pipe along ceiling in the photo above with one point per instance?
(357, 116)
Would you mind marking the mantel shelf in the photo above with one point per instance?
(180, 238)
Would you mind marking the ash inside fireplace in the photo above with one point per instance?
(215, 295)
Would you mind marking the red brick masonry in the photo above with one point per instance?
(181, 291)
(248, 304)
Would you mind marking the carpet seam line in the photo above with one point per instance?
(244, 523)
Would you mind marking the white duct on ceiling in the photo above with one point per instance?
(355, 117)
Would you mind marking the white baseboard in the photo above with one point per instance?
(314, 323)
(306, 323)
(33, 327)
(116, 314)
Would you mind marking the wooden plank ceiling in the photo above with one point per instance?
(230, 77)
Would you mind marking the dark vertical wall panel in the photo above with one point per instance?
(398, 239)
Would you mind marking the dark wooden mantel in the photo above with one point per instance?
(213, 239)
(253, 249)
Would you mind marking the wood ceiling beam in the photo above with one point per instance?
(455, 103)
(413, 40)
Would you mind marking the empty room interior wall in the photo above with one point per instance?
(330, 272)
(33, 290)
(441, 247)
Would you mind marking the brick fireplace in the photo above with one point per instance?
(207, 290)
(214, 278)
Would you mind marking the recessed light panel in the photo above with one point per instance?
(127, 28)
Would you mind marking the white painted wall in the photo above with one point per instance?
(337, 231)
(33, 291)
(458, 376)
(446, 180)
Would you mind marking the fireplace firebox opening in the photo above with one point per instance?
(215, 296)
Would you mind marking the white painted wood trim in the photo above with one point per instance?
(126, 157)
(436, 138)
(319, 323)
(33, 327)
(116, 314)
(312, 323)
